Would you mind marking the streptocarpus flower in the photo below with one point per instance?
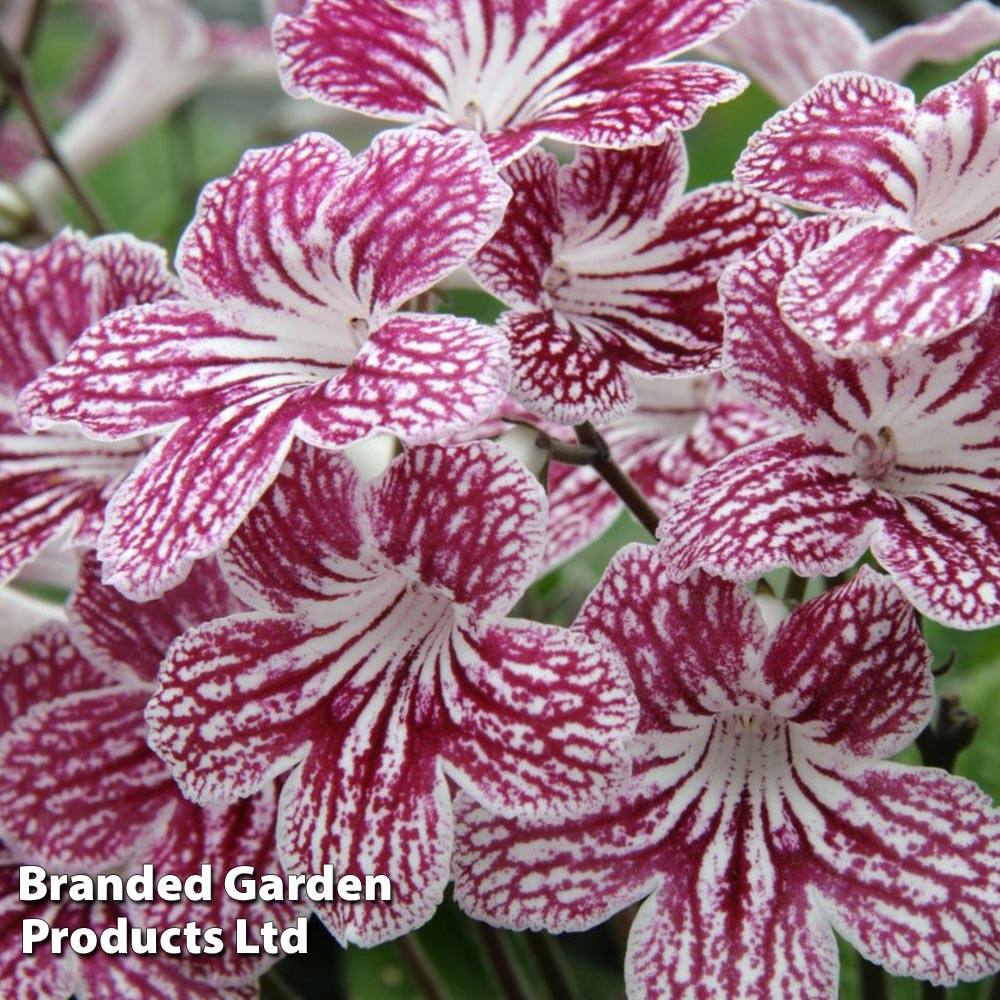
(592, 72)
(899, 453)
(379, 665)
(787, 46)
(294, 267)
(58, 483)
(760, 814)
(608, 267)
(679, 428)
(80, 790)
(921, 184)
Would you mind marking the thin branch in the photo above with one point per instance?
(422, 968)
(499, 954)
(553, 967)
(606, 467)
(12, 74)
(873, 982)
(25, 44)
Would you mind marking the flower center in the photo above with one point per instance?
(875, 457)
(473, 116)
(557, 276)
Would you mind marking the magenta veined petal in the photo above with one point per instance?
(896, 453)
(610, 269)
(293, 267)
(585, 72)
(753, 827)
(919, 180)
(382, 673)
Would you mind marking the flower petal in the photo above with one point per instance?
(568, 875)
(731, 934)
(563, 372)
(420, 377)
(52, 294)
(80, 787)
(848, 145)
(536, 719)
(853, 668)
(686, 645)
(785, 502)
(788, 45)
(417, 206)
(371, 800)
(223, 837)
(237, 701)
(289, 553)
(52, 485)
(254, 239)
(876, 288)
(145, 368)
(948, 38)
(909, 867)
(127, 640)
(190, 494)
(468, 520)
(45, 666)
(944, 552)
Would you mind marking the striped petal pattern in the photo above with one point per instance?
(920, 180)
(897, 453)
(591, 72)
(758, 817)
(57, 484)
(293, 267)
(385, 670)
(82, 791)
(608, 267)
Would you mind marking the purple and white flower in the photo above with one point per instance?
(379, 666)
(899, 454)
(590, 72)
(608, 268)
(81, 791)
(294, 268)
(921, 185)
(761, 814)
(56, 485)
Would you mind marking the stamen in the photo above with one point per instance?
(876, 456)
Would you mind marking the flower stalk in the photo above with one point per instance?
(14, 78)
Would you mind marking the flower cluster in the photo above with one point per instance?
(274, 656)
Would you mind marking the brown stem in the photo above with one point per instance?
(498, 952)
(422, 968)
(606, 467)
(13, 76)
(873, 982)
